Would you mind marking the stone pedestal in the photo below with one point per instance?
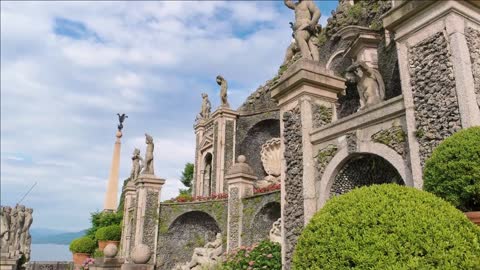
(7, 263)
(128, 219)
(240, 179)
(307, 95)
(364, 48)
(132, 266)
(148, 189)
(437, 46)
(112, 186)
(107, 264)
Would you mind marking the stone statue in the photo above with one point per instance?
(370, 85)
(4, 228)
(307, 16)
(204, 257)
(137, 165)
(223, 91)
(206, 108)
(291, 51)
(148, 165)
(26, 237)
(20, 236)
(13, 231)
(275, 234)
(121, 118)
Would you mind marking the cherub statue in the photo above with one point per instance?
(148, 166)
(307, 15)
(121, 118)
(370, 85)
(137, 164)
(223, 91)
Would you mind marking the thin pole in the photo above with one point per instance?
(27, 192)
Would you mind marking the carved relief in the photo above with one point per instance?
(271, 157)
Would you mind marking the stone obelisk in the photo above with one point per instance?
(112, 186)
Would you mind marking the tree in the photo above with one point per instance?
(187, 175)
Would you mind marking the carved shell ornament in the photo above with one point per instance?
(272, 157)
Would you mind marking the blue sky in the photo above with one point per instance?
(69, 67)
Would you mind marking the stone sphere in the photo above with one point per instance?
(141, 254)
(241, 159)
(110, 251)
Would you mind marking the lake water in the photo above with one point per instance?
(50, 252)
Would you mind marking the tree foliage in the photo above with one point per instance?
(187, 175)
(103, 219)
(388, 227)
(83, 245)
(453, 170)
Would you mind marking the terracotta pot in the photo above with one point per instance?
(79, 258)
(474, 217)
(102, 244)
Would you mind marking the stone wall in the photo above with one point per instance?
(49, 266)
(473, 41)
(364, 171)
(259, 213)
(394, 137)
(321, 115)
(151, 217)
(234, 205)
(214, 160)
(252, 132)
(229, 143)
(293, 208)
(433, 85)
(185, 226)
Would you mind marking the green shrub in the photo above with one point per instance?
(98, 253)
(103, 219)
(109, 233)
(83, 245)
(453, 170)
(388, 227)
(266, 255)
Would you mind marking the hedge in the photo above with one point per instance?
(83, 245)
(388, 227)
(109, 233)
(453, 170)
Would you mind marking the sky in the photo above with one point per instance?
(67, 69)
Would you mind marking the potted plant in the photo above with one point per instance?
(108, 235)
(453, 172)
(82, 248)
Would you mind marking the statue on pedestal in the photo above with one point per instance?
(148, 166)
(370, 85)
(223, 91)
(206, 108)
(307, 15)
(137, 164)
(4, 228)
(121, 118)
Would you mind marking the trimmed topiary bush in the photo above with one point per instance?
(453, 170)
(266, 255)
(83, 245)
(109, 233)
(388, 227)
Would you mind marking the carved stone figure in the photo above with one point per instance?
(4, 229)
(223, 91)
(121, 118)
(148, 166)
(206, 108)
(370, 85)
(204, 257)
(20, 236)
(271, 157)
(291, 51)
(26, 237)
(276, 232)
(137, 164)
(307, 15)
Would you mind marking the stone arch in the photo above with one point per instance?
(263, 221)
(187, 231)
(255, 137)
(339, 161)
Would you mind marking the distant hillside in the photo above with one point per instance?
(47, 236)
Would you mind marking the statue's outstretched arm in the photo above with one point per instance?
(315, 13)
(290, 4)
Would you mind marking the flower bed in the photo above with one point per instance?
(188, 198)
(265, 255)
(267, 189)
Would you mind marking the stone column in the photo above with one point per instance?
(240, 179)
(148, 189)
(224, 146)
(197, 168)
(440, 82)
(306, 95)
(112, 186)
(128, 219)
